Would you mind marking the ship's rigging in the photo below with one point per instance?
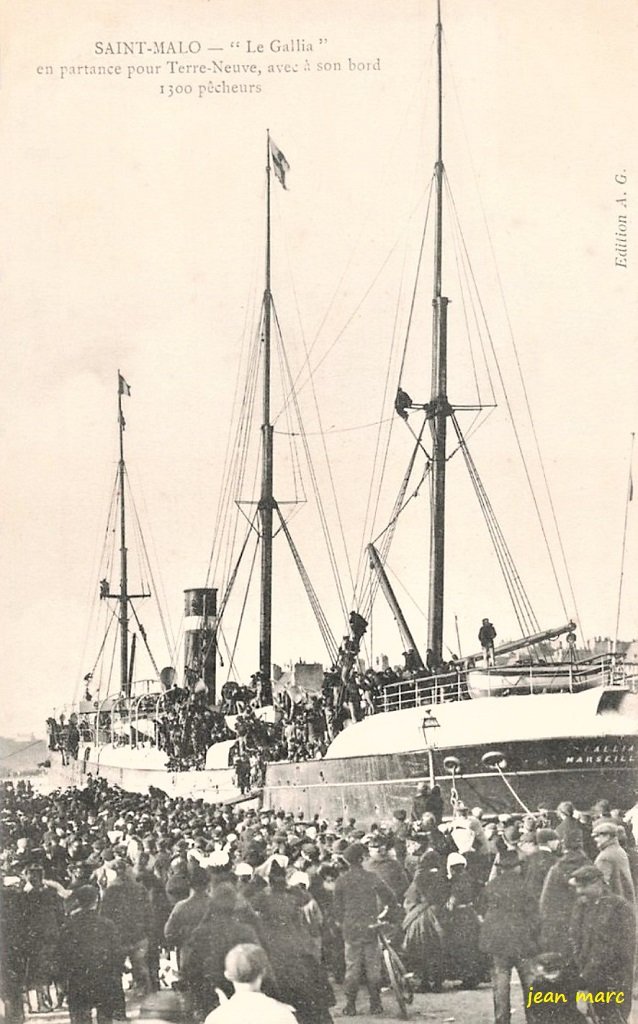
(118, 607)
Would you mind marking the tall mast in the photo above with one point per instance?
(125, 684)
(438, 402)
(266, 498)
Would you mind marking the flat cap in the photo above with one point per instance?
(604, 827)
(586, 875)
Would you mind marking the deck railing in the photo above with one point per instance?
(420, 692)
(414, 693)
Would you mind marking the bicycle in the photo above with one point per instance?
(400, 980)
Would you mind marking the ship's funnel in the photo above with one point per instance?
(200, 648)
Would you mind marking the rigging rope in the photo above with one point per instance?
(388, 532)
(144, 637)
(522, 607)
(236, 458)
(528, 405)
(292, 394)
(170, 646)
(320, 507)
(371, 518)
(92, 598)
(104, 639)
(508, 403)
(338, 430)
(229, 587)
(243, 607)
(418, 94)
(324, 626)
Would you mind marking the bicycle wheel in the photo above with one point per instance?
(400, 985)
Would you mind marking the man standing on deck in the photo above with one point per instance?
(487, 636)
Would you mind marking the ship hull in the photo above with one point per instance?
(541, 773)
(216, 785)
(371, 787)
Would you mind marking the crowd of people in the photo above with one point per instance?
(267, 723)
(300, 727)
(99, 884)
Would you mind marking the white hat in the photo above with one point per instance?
(455, 858)
(218, 859)
(299, 878)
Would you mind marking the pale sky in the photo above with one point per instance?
(134, 224)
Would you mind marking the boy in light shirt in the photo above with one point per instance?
(246, 966)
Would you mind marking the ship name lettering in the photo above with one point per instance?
(290, 46)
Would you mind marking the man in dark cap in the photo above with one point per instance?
(126, 903)
(568, 825)
(538, 864)
(90, 961)
(386, 867)
(188, 913)
(507, 932)
(603, 931)
(611, 860)
(487, 636)
(558, 898)
(420, 801)
(43, 914)
(359, 898)
(13, 959)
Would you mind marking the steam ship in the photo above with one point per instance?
(508, 728)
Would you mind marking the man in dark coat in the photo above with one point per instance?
(420, 801)
(558, 898)
(538, 864)
(509, 922)
(385, 867)
(13, 959)
(90, 961)
(126, 903)
(205, 948)
(487, 636)
(299, 979)
(611, 859)
(43, 915)
(603, 933)
(189, 912)
(359, 897)
(434, 804)
(568, 827)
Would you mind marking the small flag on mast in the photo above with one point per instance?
(124, 388)
(279, 163)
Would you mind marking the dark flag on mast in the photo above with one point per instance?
(280, 164)
(122, 389)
